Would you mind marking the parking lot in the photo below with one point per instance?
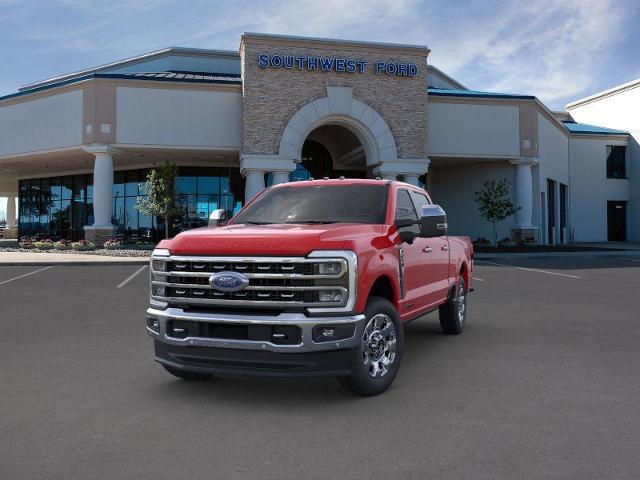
(544, 383)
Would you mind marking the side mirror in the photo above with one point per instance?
(433, 221)
(218, 218)
(407, 236)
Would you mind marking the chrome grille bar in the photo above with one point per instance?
(273, 281)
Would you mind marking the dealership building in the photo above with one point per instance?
(75, 150)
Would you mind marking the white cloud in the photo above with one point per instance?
(546, 48)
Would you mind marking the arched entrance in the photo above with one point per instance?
(333, 151)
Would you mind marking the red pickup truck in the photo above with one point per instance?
(310, 278)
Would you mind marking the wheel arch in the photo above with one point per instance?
(383, 286)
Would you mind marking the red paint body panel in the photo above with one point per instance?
(377, 248)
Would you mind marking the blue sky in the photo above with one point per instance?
(558, 51)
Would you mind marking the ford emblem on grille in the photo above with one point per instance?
(228, 281)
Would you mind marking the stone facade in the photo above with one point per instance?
(272, 96)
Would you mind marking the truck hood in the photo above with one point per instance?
(294, 239)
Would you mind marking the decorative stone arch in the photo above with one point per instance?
(340, 108)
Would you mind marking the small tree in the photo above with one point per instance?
(160, 191)
(494, 203)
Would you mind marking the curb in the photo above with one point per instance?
(609, 253)
(88, 263)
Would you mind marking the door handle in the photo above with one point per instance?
(445, 247)
(427, 249)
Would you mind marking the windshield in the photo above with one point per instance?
(318, 204)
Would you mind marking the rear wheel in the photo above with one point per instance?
(375, 362)
(187, 375)
(453, 313)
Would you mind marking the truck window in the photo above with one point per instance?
(318, 204)
(405, 210)
(419, 200)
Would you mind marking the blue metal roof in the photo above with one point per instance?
(444, 92)
(188, 77)
(585, 128)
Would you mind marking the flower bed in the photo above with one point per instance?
(83, 245)
(62, 245)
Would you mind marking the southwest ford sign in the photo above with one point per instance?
(334, 64)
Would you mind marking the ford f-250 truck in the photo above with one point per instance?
(310, 278)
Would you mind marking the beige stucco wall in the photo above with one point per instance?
(271, 96)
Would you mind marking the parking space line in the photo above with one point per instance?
(131, 277)
(528, 269)
(478, 279)
(25, 275)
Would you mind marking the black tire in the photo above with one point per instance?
(375, 377)
(187, 375)
(452, 313)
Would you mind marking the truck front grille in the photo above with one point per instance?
(275, 282)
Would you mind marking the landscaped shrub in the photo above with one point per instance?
(46, 244)
(113, 244)
(26, 242)
(83, 245)
(62, 245)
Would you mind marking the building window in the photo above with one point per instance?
(60, 207)
(616, 161)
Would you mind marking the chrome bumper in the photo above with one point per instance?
(305, 324)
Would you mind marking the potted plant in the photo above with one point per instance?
(83, 245)
(62, 244)
(507, 242)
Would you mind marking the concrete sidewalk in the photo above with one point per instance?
(33, 258)
(634, 254)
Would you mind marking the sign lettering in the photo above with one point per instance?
(331, 64)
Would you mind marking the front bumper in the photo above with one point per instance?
(305, 324)
(230, 361)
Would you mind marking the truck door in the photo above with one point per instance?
(436, 259)
(414, 275)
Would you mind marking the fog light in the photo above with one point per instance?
(328, 333)
(333, 268)
(158, 290)
(159, 265)
(330, 296)
(153, 324)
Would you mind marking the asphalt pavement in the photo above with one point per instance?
(543, 383)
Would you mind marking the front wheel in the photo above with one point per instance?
(453, 313)
(375, 362)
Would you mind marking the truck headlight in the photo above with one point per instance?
(329, 268)
(158, 290)
(159, 265)
(330, 296)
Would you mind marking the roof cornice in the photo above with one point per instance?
(448, 78)
(604, 94)
(192, 52)
(314, 42)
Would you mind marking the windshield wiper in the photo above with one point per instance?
(259, 223)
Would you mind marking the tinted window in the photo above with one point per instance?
(616, 167)
(405, 210)
(318, 204)
(419, 200)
